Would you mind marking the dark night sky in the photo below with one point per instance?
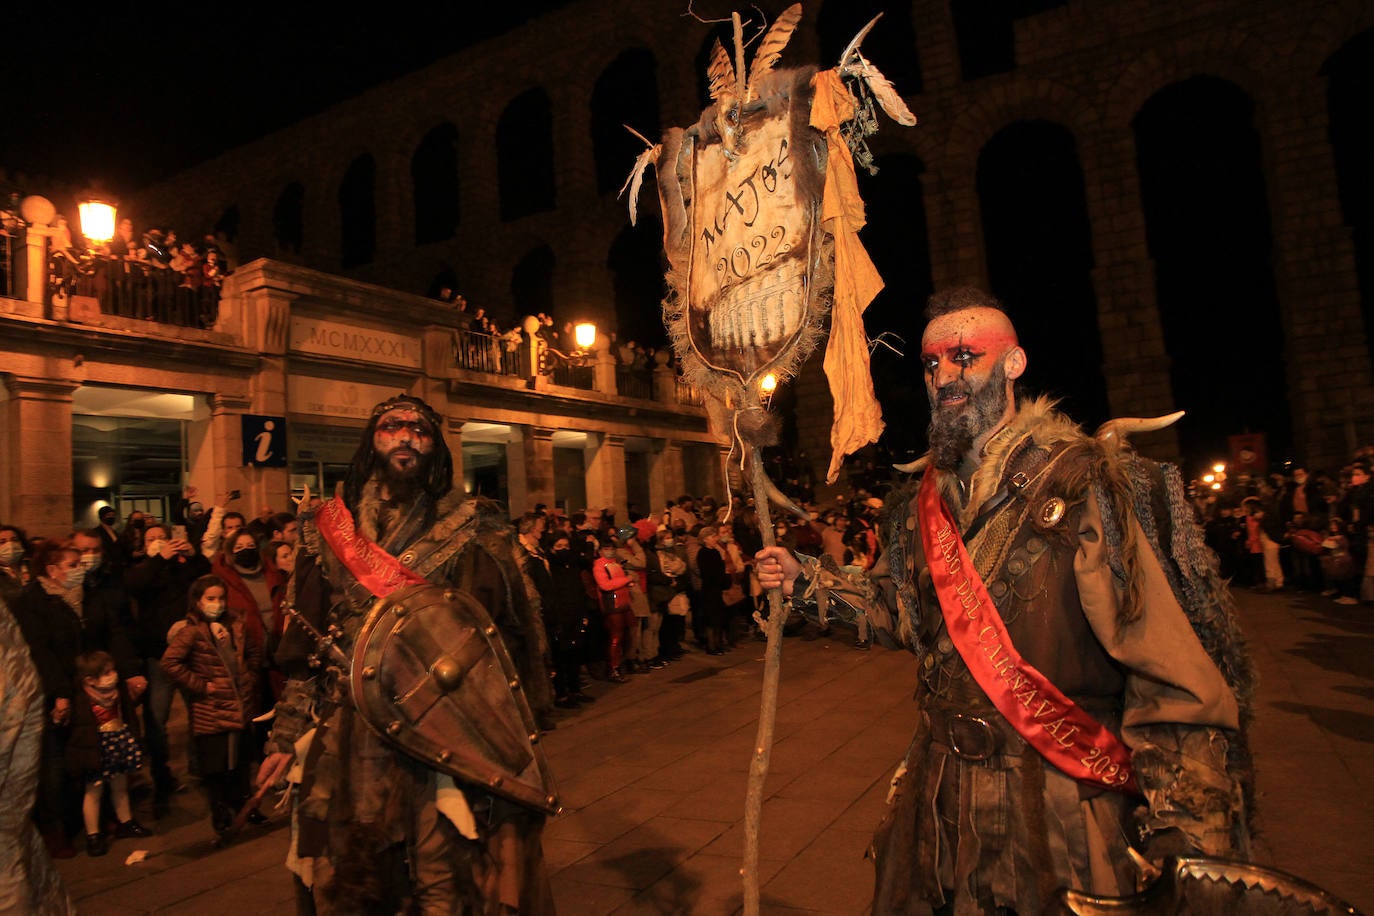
(163, 87)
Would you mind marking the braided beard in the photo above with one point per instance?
(953, 430)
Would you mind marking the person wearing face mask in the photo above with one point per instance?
(49, 612)
(158, 585)
(112, 545)
(215, 658)
(106, 616)
(558, 578)
(14, 574)
(251, 580)
(104, 748)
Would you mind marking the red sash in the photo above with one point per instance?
(1066, 736)
(375, 569)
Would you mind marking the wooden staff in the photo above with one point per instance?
(768, 700)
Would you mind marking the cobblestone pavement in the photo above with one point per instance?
(653, 781)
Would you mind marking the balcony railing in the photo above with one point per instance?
(135, 289)
(634, 383)
(480, 352)
(689, 395)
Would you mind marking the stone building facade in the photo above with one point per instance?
(306, 354)
(1084, 65)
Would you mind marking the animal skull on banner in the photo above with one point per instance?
(761, 214)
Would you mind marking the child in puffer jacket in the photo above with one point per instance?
(216, 660)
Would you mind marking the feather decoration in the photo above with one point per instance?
(887, 95)
(853, 63)
(770, 51)
(636, 179)
(721, 72)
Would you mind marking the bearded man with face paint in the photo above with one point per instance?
(374, 828)
(1074, 714)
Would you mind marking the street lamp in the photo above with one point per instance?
(584, 334)
(97, 219)
(767, 385)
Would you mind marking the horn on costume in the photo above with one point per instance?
(1122, 427)
(913, 467)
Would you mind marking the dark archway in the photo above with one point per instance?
(531, 282)
(636, 265)
(288, 219)
(358, 213)
(891, 45)
(1039, 256)
(626, 93)
(524, 156)
(898, 243)
(1207, 224)
(434, 180)
(1349, 100)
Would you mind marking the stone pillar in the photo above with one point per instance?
(667, 477)
(1134, 360)
(529, 461)
(604, 380)
(226, 443)
(453, 435)
(36, 263)
(36, 487)
(665, 383)
(605, 461)
(1328, 361)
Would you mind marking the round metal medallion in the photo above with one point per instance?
(1052, 511)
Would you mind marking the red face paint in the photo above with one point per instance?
(402, 437)
(959, 352)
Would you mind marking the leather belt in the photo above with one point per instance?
(976, 733)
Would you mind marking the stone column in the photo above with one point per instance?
(1134, 360)
(667, 477)
(529, 461)
(453, 435)
(36, 487)
(226, 443)
(1328, 361)
(605, 461)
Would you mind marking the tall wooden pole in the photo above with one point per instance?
(768, 701)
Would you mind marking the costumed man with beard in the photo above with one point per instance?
(1081, 679)
(377, 827)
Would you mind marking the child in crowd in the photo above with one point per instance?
(103, 748)
(216, 660)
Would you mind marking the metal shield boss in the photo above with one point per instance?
(432, 676)
(753, 235)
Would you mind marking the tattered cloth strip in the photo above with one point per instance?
(858, 416)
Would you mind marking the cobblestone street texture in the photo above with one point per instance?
(653, 780)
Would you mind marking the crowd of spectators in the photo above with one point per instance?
(1305, 530)
(154, 275)
(622, 597)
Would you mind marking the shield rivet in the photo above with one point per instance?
(448, 674)
(401, 610)
(495, 782)
(1052, 511)
(551, 800)
(514, 682)
(369, 673)
(534, 737)
(450, 595)
(445, 756)
(393, 727)
(490, 629)
(408, 557)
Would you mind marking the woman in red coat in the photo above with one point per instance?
(215, 658)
